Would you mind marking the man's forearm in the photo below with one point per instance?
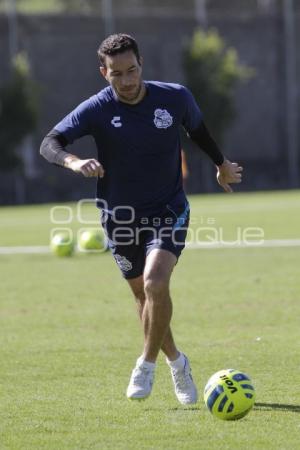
(204, 140)
(53, 149)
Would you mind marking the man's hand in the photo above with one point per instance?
(88, 167)
(227, 173)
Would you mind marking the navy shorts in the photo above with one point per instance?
(131, 242)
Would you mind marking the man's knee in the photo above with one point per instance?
(137, 287)
(156, 287)
(140, 297)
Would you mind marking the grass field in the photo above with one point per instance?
(69, 336)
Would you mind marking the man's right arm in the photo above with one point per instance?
(53, 150)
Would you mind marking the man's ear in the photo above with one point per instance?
(141, 61)
(103, 71)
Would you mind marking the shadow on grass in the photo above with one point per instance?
(185, 408)
(279, 406)
(257, 406)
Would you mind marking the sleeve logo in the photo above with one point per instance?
(116, 121)
(123, 262)
(162, 118)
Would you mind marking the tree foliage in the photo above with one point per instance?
(18, 112)
(212, 73)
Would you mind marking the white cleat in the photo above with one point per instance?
(140, 384)
(185, 388)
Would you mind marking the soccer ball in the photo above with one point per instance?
(92, 240)
(229, 394)
(62, 244)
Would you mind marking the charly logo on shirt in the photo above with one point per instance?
(162, 118)
(116, 121)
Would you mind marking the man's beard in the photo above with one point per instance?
(131, 97)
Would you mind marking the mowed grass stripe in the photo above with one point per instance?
(273, 243)
(30, 226)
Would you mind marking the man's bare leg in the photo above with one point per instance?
(156, 316)
(137, 286)
(155, 310)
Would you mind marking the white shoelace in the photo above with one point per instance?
(140, 375)
(181, 378)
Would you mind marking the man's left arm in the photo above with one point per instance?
(227, 172)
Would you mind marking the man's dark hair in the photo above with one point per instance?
(117, 43)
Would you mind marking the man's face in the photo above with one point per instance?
(124, 74)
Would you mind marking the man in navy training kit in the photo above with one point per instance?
(145, 213)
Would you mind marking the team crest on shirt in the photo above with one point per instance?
(123, 262)
(162, 118)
